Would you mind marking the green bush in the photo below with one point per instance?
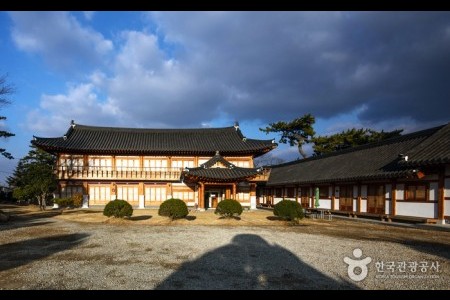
(118, 209)
(288, 210)
(77, 200)
(173, 208)
(229, 208)
(64, 202)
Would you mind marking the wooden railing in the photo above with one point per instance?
(118, 174)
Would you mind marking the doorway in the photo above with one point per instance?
(375, 199)
(346, 198)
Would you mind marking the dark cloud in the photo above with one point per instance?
(278, 65)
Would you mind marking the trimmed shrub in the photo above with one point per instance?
(288, 210)
(229, 208)
(64, 202)
(118, 209)
(173, 208)
(77, 200)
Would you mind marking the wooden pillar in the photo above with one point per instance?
(201, 195)
(333, 196)
(195, 161)
(234, 191)
(359, 198)
(85, 162)
(441, 198)
(296, 193)
(394, 198)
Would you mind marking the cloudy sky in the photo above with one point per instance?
(383, 70)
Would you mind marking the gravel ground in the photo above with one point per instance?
(48, 252)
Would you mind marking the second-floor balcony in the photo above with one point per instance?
(118, 174)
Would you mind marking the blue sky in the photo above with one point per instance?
(383, 70)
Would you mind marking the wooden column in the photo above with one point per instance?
(333, 196)
(394, 198)
(359, 199)
(234, 191)
(296, 193)
(441, 198)
(201, 197)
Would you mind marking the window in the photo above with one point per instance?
(100, 164)
(182, 163)
(128, 193)
(278, 192)
(241, 163)
(155, 164)
(416, 192)
(99, 193)
(155, 193)
(71, 163)
(70, 190)
(127, 164)
(290, 192)
(323, 192)
(243, 193)
(185, 194)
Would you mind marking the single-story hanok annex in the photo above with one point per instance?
(404, 176)
(148, 166)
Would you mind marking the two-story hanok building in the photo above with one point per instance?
(147, 166)
(404, 176)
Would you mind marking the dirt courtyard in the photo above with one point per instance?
(82, 249)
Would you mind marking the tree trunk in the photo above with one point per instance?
(300, 142)
(300, 150)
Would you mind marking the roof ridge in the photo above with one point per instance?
(111, 128)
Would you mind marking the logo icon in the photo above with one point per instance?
(357, 263)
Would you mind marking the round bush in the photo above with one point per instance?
(288, 210)
(118, 209)
(229, 208)
(64, 202)
(173, 208)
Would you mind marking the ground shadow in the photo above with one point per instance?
(190, 218)
(16, 254)
(139, 218)
(249, 262)
(232, 217)
(71, 211)
(22, 218)
(274, 218)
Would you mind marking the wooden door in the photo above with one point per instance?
(375, 199)
(304, 197)
(346, 198)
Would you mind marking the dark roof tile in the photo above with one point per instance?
(112, 140)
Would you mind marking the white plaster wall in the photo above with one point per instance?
(330, 191)
(113, 197)
(434, 191)
(336, 192)
(325, 203)
(425, 210)
(276, 200)
(399, 192)
(447, 208)
(354, 205)
(191, 203)
(387, 207)
(336, 204)
(363, 205)
(364, 191)
(388, 190)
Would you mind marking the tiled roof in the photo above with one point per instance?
(111, 140)
(207, 171)
(433, 151)
(379, 160)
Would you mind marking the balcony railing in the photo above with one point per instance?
(120, 173)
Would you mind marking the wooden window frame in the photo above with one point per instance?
(406, 192)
